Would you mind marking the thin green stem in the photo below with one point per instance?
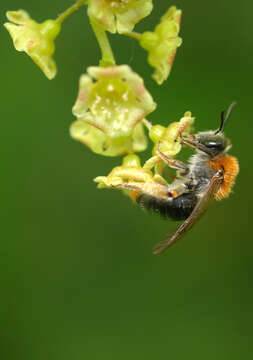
(70, 10)
(105, 47)
(147, 123)
(134, 35)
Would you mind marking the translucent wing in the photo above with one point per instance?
(199, 209)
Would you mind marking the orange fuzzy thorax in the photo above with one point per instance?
(230, 166)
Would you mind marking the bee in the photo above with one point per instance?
(210, 174)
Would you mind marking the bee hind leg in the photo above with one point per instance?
(126, 186)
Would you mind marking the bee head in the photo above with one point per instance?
(214, 141)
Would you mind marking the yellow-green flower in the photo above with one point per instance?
(129, 171)
(168, 136)
(119, 15)
(37, 40)
(131, 178)
(111, 103)
(162, 44)
(168, 140)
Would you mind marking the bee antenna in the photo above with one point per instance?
(224, 120)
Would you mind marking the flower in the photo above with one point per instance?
(132, 173)
(129, 171)
(162, 44)
(168, 136)
(111, 103)
(119, 15)
(131, 178)
(37, 40)
(168, 140)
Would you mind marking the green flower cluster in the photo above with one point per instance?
(112, 102)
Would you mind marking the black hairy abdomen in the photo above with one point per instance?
(178, 208)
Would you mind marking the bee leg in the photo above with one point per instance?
(174, 164)
(149, 188)
(126, 186)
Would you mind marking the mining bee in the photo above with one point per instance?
(210, 174)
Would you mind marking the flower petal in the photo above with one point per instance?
(101, 144)
(83, 98)
(118, 15)
(99, 11)
(18, 17)
(127, 20)
(46, 64)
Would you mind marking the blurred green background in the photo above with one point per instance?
(78, 278)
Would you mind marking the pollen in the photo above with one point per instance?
(133, 195)
(173, 193)
(230, 166)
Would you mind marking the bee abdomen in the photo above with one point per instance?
(178, 208)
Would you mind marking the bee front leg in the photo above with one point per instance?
(195, 145)
(173, 163)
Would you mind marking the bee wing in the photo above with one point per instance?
(199, 209)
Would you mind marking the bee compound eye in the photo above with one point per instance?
(215, 145)
(212, 144)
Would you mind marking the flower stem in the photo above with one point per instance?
(147, 123)
(134, 35)
(105, 47)
(70, 10)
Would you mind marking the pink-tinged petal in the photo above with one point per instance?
(82, 101)
(107, 72)
(118, 15)
(128, 19)
(99, 11)
(163, 43)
